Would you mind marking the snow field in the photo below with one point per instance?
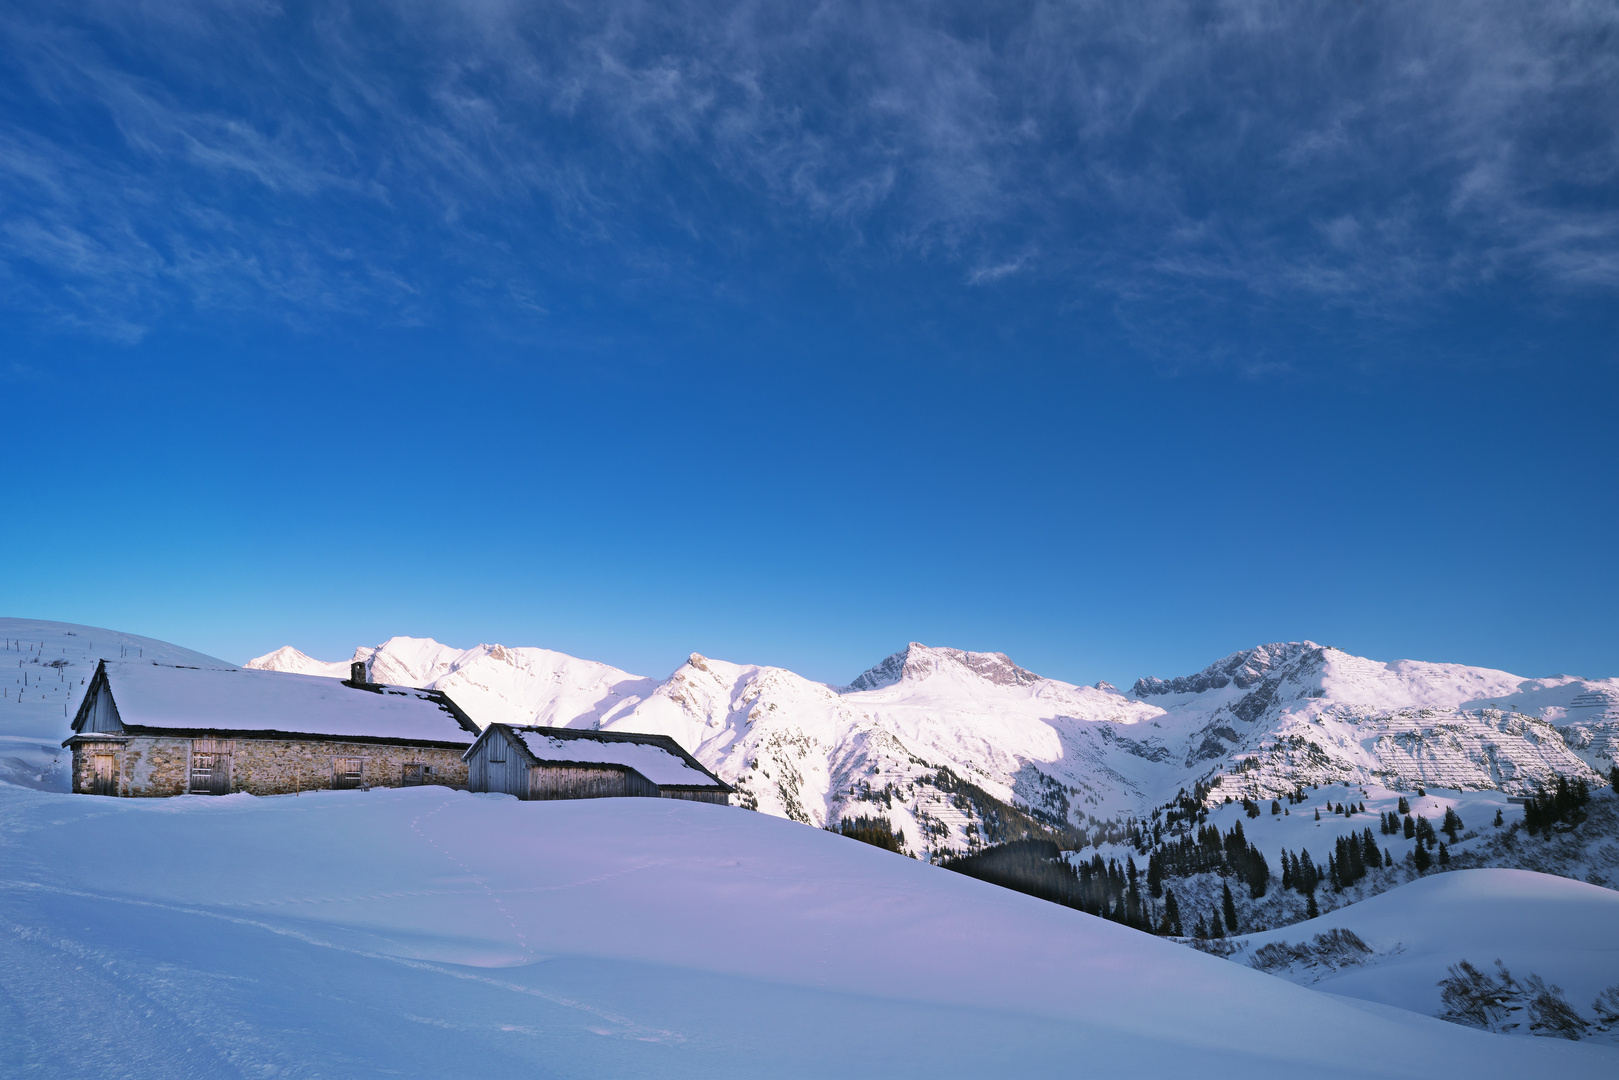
(1565, 931)
(426, 932)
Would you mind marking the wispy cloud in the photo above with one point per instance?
(1370, 154)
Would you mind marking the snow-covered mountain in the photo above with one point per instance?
(948, 745)
(1276, 716)
(492, 683)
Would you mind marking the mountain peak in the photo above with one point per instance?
(917, 661)
(1246, 668)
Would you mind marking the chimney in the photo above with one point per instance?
(357, 672)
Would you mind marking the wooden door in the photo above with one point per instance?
(211, 766)
(413, 776)
(104, 775)
(348, 772)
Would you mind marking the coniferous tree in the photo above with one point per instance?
(1216, 930)
(1388, 859)
(1155, 876)
(1444, 854)
(1410, 827)
(1201, 930)
(1421, 858)
(1425, 833)
(1310, 910)
(1499, 820)
(1613, 777)
(1305, 875)
(1172, 914)
(1452, 823)
(1318, 814)
(1276, 807)
(1405, 807)
(1357, 867)
(1369, 853)
(1287, 870)
(1229, 905)
(1258, 872)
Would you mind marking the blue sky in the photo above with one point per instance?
(1114, 337)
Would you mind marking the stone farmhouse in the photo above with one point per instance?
(148, 729)
(570, 763)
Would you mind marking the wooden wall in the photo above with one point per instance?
(486, 773)
(587, 782)
(515, 776)
(719, 798)
(103, 713)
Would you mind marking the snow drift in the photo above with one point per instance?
(429, 933)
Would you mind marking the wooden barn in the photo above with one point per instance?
(146, 729)
(570, 763)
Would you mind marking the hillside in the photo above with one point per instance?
(409, 932)
(43, 669)
(1565, 932)
(958, 749)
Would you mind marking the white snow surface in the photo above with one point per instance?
(1565, 931)
(425, 932)
(653, 762)
(232, 699)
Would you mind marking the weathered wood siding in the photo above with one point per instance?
(103, 712)
(552, 781)
(211, 761)
(496, 765)
(719, 798)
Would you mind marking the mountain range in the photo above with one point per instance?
(948, 745)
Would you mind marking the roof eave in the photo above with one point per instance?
(151, 731)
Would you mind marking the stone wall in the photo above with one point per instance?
(156, 766)
(276, 766)
(144, 766)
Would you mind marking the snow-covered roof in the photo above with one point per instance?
(235, 699)
(656, 757)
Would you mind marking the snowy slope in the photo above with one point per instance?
(1567, 932)
(1262, 721)
(1588, 853)
(432, 933)
(44, 668)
